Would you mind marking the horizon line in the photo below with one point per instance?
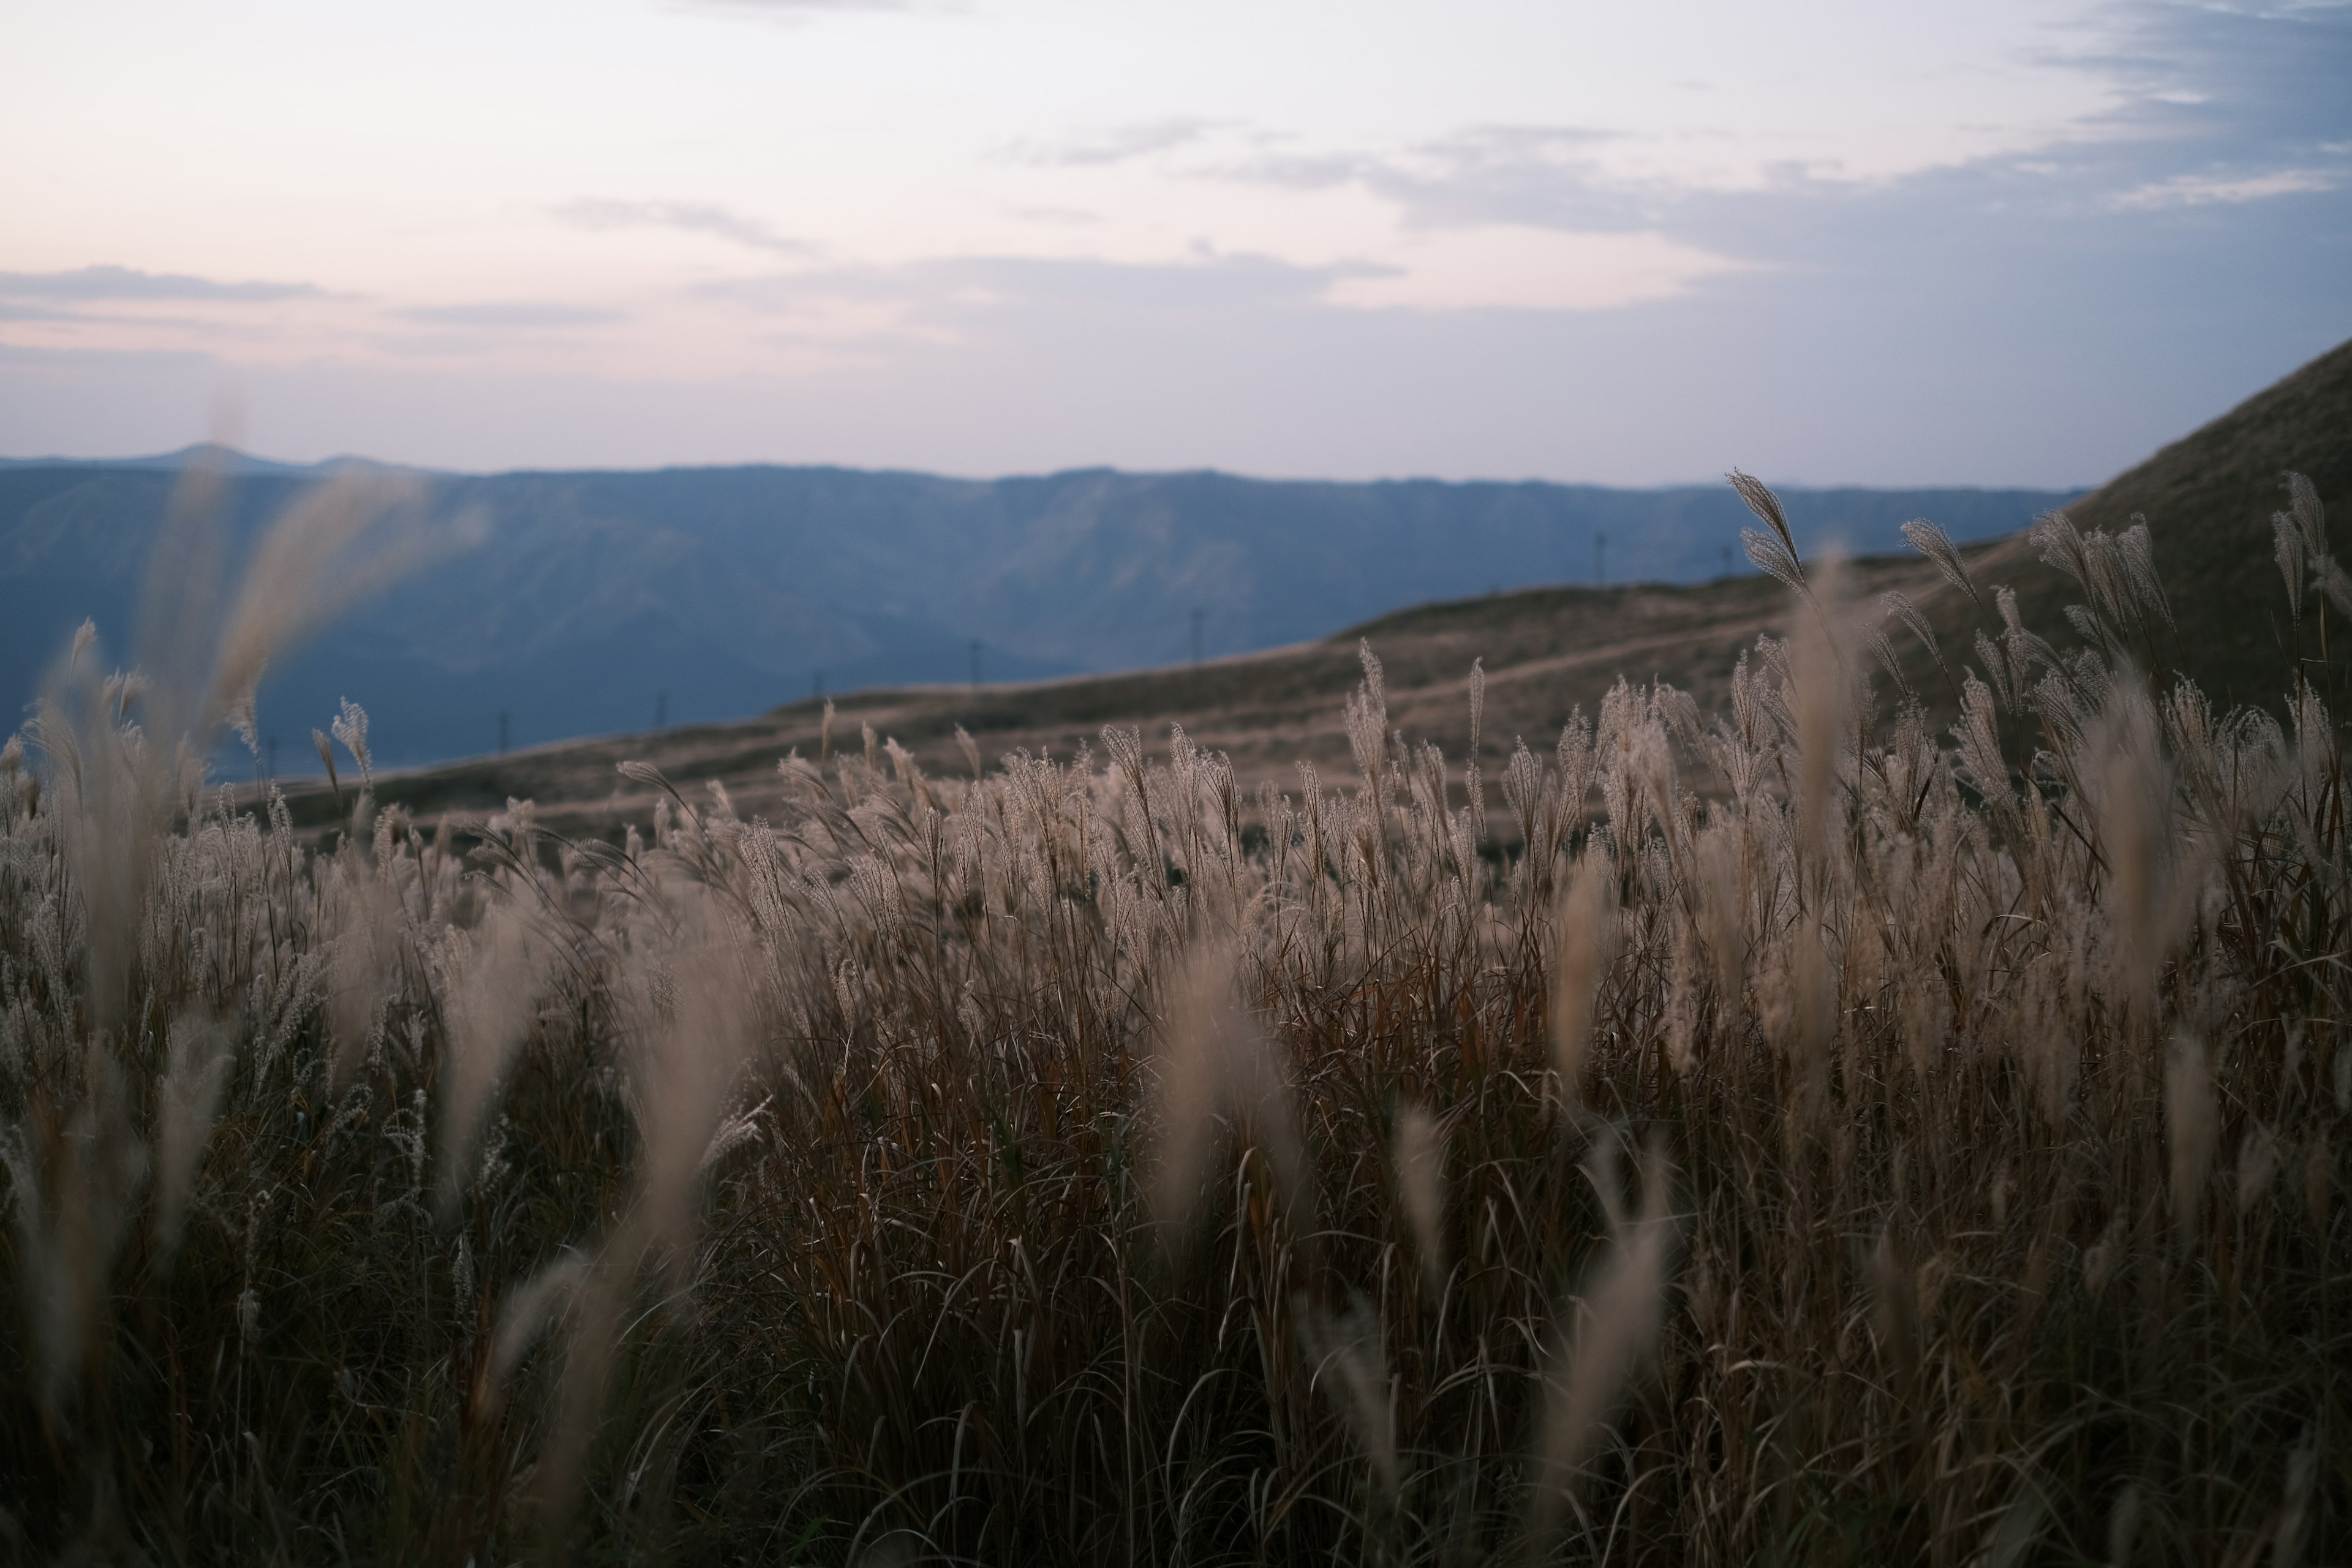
(261, 467)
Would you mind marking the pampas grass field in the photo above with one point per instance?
(1784, 1134)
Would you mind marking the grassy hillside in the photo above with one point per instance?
(2208, 499)
(1817, 1146)
(1547, 651)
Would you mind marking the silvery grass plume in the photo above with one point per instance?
(366, 924)
(200, 1055)
(2124, 608)
(1606, 1334)
(2300, 539)
(1584, 945)
(1346, 1349)
(1474, 781)
(1937, 545)
(528, 1313)
(2156, 864)
(1819, 692)
(124, 757)
(490, 980)
(2192, 1127)
(1212, 1059)
(699, 1028)
(75, 1187)
(2286, 549)
(694, 1029)
(1773, 552)
(1420, 1160)
(350, 728)
(203, 656)
(2260, 1156)
(1895, 1313)
(1722, 873)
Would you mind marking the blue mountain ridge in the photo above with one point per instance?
(593, 600)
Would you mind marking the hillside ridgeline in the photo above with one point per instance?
(2208, 500)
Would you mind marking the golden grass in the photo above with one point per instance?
(1810, 1142)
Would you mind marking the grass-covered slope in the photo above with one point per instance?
(2208, 499)
(1811, 1144)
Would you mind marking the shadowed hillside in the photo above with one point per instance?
(2208, 499)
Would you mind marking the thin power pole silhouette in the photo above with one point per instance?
(661, 710)
(1601, 560)
(1196, 639)
(502, 732)
(975, 664)
(816, 687)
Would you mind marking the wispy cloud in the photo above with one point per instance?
(1546, 176)
(106, 282)
(959, 285)
(1519, 267)
(693, 217)
(1110, 144)
(2204, 190)
(523, 314)
(2217, 105)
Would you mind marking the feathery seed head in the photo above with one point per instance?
(1937, 545)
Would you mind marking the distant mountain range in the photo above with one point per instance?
(598, 602)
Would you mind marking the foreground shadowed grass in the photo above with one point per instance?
(1811, 1141)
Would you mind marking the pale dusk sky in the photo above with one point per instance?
(1996, 243)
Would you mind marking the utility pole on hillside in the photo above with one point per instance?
(1601, 560)
(975, 665)
(1196, 638)
(661, 710)
(502, 732)
(816, 687)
